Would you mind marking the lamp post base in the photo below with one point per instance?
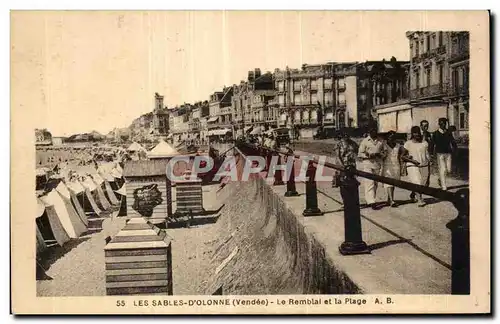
(353, 248)
(312, 212)
(291, 193)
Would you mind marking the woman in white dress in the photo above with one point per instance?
(392, 165)
(417, 160)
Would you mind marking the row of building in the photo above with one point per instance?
(393, 94)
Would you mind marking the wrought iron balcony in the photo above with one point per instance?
(459, 51)
(441, 49)
(341, 87)
(430, 91)
(459, 90)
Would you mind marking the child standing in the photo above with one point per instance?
(392, 165)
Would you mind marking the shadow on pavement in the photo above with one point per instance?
(52, 254)
(381, 245)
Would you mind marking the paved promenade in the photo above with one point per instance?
(411, 246)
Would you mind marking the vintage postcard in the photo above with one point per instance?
(250, 162)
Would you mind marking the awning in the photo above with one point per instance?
(219, 132)
(213, 119)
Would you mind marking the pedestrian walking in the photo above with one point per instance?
(392, 165)
(417, 160)
(426, 135)
(372, 152)
(346, 154)
(444, 146)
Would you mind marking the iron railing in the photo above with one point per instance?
(354, 244)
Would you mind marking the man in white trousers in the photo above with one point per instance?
(371, 152)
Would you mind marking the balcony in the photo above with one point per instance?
(459, 52)
(341, 87)
(314, 86)
(341, 104)
(440, 50)
(430, 91)
(327, 86)
(459, 90)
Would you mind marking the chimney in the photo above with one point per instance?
(257, 73)
(251, 76)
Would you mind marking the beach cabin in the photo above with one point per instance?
(138, 260)
(146, 187)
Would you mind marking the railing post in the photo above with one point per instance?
(460, 245)
(291, 190)
(353, 243)
(278, 174)
(311, 192)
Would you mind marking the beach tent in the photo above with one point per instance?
(49, 224)
(71, 200)
(122, 196)
(89, 184)
(162, 150)
(108, 190)
(70, 220)
(84, 197)
(100, 192)
(135, 147)
(40, 242)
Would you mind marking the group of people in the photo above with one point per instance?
(389, 158)
(264, 140)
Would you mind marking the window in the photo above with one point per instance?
(440, 74)
(417, 48)
(454, 78)
(296, 99)
(462, 120)
(417, 79)
(314, 98)
(440, 38)
(428, 75)
(433, 41)
(428, 42)
(466, 77)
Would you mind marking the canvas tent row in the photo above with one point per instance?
(97, 193)
(100, 186)
(85, 198)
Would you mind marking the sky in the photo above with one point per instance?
(96, 70)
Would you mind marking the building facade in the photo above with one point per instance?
(438, 74)
(251, 102)
(304, 98)
(220, 110)
(458, 93)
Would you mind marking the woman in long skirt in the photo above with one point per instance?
(392, 165)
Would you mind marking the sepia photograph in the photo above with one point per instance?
(244, 162)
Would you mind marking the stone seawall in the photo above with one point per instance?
(261, 247)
